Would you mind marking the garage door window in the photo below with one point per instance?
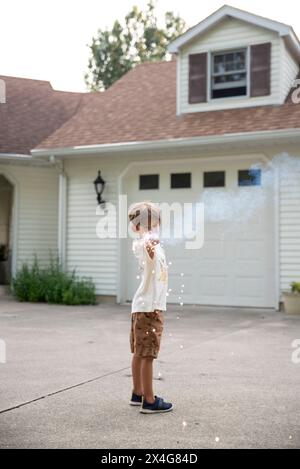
(214, 179)
(249, 177)
(149, 181)
(180, 181)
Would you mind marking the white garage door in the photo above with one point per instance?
(236, 265)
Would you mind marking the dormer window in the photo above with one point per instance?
(232, 60)
(229, 74)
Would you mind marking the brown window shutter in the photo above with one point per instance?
(198, 78)
(260, 75)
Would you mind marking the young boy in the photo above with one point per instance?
(148, 305)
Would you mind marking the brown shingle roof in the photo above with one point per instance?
(141, 106)
(32, 112)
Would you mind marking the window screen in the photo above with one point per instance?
(229, 74)
(149, 181)
(249, 177)
(214, 179)
(180, 180)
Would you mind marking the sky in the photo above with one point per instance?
(47, 39)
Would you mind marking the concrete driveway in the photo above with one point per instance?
(229, 372)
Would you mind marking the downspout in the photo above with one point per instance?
(62, 210)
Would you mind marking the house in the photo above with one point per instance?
(217, 124)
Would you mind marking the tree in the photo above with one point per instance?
(114, 52)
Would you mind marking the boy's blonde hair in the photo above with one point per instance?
(144, 214)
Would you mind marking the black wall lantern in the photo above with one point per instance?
(99, 184)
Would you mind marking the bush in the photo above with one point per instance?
(52, 285)
(295, 287)
(79, 290)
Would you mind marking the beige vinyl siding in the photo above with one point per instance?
(289, 218)
(89, 255)
(36, 202)
(230, 34)
(290, 70)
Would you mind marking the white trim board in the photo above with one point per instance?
(265, 136)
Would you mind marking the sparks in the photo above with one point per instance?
(217, 439)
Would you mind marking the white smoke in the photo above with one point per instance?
(240, 205)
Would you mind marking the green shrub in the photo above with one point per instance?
(52, 285)
(295, 287)
(79, 292)
(28, 284)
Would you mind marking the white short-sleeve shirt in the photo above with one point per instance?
(152, 291)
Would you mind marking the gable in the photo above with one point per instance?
(281, 29)
(229, 33)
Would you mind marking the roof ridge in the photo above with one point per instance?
(26, 78)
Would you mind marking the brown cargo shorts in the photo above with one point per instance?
(145, 334)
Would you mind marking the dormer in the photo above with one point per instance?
(235, 59)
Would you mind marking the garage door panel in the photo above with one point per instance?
(251, 267)
(251, 250)
(211, 267)
(215, 231)
(213, 285)
(249, 287)
(213, 250)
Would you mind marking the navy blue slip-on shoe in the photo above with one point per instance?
(136, 399)
(159, 405)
